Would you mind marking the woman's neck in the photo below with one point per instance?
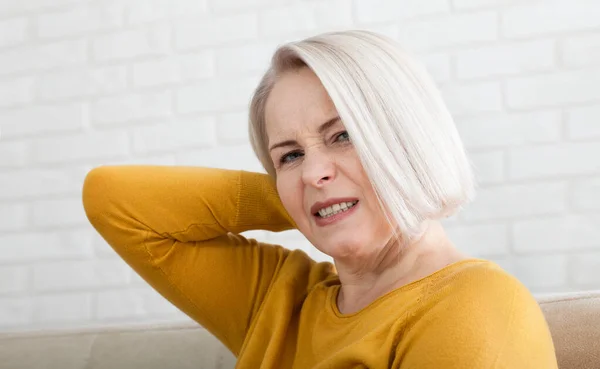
(394, 267)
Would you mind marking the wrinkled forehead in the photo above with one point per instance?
(297, 103)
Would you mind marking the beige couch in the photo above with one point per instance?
(573, 318)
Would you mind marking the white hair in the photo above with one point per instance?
(394, 113)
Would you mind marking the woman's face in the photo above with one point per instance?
(319, 164)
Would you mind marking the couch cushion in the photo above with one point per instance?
(183, 346)
(574, 321)
(29, 351)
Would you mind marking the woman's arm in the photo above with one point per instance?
(171, 224)
(184, 203)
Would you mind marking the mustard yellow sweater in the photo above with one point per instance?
(275, 308)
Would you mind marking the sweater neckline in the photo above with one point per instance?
(335, 289)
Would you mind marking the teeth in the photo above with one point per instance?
(336, 208)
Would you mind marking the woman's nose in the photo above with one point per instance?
(318, 169)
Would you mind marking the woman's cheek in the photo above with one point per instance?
(289, 202)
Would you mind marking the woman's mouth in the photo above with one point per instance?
(335, 213)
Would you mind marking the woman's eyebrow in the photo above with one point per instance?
(324, 127)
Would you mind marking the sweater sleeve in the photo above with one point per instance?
(178, 226)
(488, 320)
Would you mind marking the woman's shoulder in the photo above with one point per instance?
(475, 311)
(479, 283)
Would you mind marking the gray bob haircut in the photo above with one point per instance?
(399, 125)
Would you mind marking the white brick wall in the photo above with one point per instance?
(549, 17)
(580, 122)
(132, 43)
(43, 56)
(554, 89)
(80, 19)
(86, 83)
(505, 59)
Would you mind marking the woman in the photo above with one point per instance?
(364, 159)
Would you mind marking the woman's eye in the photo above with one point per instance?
(283, 159)
(290, 156)
(345, 133)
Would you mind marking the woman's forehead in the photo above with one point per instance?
(311, 120)
(297, 102)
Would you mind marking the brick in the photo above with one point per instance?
(483, 240)
(553, 89)
(154, 159)
(586, 194)
(13, 31)
(102, 250)
(472, 98)
(180, 134)
(508, 201)
(152, 41)
(387, 29)
(84, 82)
(16, 91)
(488, 166)
(228, 6)
(373, 11)
(136, 280)
(332, 15)
(565, 233)
(584, 269)
(581, 51)
(216, 95)
(277, 21)
(550, 17)
(445, 31)
(34, 182)
(8, 7)
(477, 4)
(110, 144)
(233, 128)
(132, 107)
(15, 311)
(174, 69)
(510, 129)
(193, 33)
(256, 57)
(134, 302)
(14, 279)
(33, 246)
(555, 160)
(14, 154)
(84, 19)
(76, 307)
(513, 58)
(582, 122)
(541, 271)
(13, 217)
(40, 119)
(231, 157)
(438, 66)
(59, 212)
(61, 54)
(145, 11)
(79, 274)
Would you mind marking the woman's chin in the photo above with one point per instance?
(348, 248)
